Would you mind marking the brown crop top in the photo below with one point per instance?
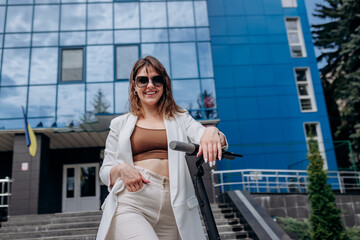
(148, 143)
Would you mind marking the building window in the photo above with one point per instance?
(295, 37)
(305, 90)
(126, 56)
(314, 138)
(289, 3)
(72, 64)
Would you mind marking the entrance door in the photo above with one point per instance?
(81, 188)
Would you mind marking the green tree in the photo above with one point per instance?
(339, 42)
(325, 216)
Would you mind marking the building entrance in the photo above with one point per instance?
(81, 188)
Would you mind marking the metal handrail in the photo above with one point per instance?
(5, 194)
(279, 181)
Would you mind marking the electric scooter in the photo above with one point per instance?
(196, 175)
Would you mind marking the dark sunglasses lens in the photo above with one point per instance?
(158, 81)
(142, 81)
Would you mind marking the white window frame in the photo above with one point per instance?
(289, 3)
(319, 139)
(310, 89)
(300, 35)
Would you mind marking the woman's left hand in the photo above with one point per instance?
(210, 145)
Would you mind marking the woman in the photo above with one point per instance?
(151, 192)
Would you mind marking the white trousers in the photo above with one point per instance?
(146, 214)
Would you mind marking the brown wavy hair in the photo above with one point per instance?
(166, 105)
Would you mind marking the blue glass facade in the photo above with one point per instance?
(228, 59)
(38, 74)
(256, 86)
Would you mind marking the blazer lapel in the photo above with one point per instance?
(124, 138)
(171, 133)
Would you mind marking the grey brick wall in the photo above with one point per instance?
(297, 206)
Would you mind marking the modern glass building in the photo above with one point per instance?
(247, 65)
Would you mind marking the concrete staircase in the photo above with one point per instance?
(58, 226)
(83, 226)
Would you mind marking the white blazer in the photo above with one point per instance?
(183, 200)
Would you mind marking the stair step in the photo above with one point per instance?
(54, 233)
(49, 227)
(56, 220)
(53, 215)
(75, 237)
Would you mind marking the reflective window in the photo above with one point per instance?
(127, 36)
(203, 34)
(100, 37)
(289, 3)
(73, 17)
(126, 15)
(187, 93)
(182, 34)
(70, 108)
(100, 0)
(12, 124)
(305, 90)
(99, 98)
(72, 65)
(88, 182)
(315, 140)
(183, 60)
(122, 97)
(47, 1)
(44, 63)
(181, 14)
(70, 182)
(17, 40)
(99, 64)
(11, 100)
(208, 97)
(72, 1)
(208, 94)
(42, 101)
(205, 60)
(72, 38)
(2, 18)
(45, 39)
(41, 122)
(160, 51)
(15, 67)
(126, 56)
(1, 40)
(295, 37)
(201, 11)
(18, 19)
(154, 35)
(46, 18)
(153, 14)
(13, 2)
(100, 16)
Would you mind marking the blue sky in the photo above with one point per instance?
(310, 6)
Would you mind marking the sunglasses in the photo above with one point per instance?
(142, 81)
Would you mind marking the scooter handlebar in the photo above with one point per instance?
(192, 148)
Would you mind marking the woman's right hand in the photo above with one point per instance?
(130, 176)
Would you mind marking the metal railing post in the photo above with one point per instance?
(222, 183)
(213, 185)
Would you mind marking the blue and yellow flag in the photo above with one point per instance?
(29, 136)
